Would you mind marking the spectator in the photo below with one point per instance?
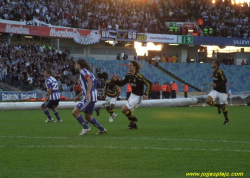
(104, 76)
(243, 62)
(136, 58)
(157, 58)
(64, 86)
(98, 70)
(77, 88)
(248, 61)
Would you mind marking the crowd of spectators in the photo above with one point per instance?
(22, 65)
(219, 18)
(143, 16)
(225, 19)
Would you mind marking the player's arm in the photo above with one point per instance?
(223, 79)
(86, 76)
(49, 93)
(105, 89)
(123, 82)
(49, 86)
(148, 85)
(78, 96)
(90, 83)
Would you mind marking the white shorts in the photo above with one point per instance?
(222, 96)
(134, 101)
(110, 100)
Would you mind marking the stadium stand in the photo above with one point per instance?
(223, 18)
(199, 74)
(21, 65)
(142, 16)
(120, 68)
(218, 19)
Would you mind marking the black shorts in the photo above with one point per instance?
(51, 104)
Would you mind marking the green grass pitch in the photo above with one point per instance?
(169, 143)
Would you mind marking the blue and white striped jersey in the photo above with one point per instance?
(51, 82)
(85, 74)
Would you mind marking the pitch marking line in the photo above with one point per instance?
(118, 138)
(111, 147)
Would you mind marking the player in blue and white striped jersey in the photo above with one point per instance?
(53, 97)
(89, 90)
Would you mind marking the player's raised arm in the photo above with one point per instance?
(123, 82)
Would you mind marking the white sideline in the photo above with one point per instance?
(124, 138)
(111, 147)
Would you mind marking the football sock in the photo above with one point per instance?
(96, 124)
(225, 112)
(130, 115)
(111, 111)
(82, 122)
(212, 103)
(46, 112)
(57, 115)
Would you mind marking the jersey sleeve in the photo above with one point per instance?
(147, 83)
(223, 78)
(105, 88)
(48, 83)
(123, 81)
(85, 74)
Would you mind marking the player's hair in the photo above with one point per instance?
(83, 64)
(136, 65)
(48, 71)
(217, 62)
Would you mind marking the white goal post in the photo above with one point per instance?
(70, 105)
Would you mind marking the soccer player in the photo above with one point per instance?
(137, 81)
(219, 90)
(111, 91)
(53, 97)
(89, 90)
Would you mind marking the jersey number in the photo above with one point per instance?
(55, 86)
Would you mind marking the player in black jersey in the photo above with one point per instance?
(219, 90)
(111, 91)
(137, 82)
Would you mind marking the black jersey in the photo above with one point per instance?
(137, 82)
(220, 80)
(111, 89)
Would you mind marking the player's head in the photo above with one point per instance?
(133, 66)
(81, 64)
(47, 73)
(215, 63)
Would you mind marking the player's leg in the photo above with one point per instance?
(44, 107)
(223, 102)
(132, 103)
(56, 113)
(210, 100)
(132, 119)
(76, 113)
(225, 112)
(97, 110)
(88, 115)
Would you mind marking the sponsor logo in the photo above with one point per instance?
(18, 29)
(61, 33)
(245, 42)
(142, 37)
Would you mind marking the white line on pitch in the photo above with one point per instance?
(112, 147)
(124, 138)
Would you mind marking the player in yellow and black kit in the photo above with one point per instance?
(137, 82)
(219, 90)
(111, 91)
